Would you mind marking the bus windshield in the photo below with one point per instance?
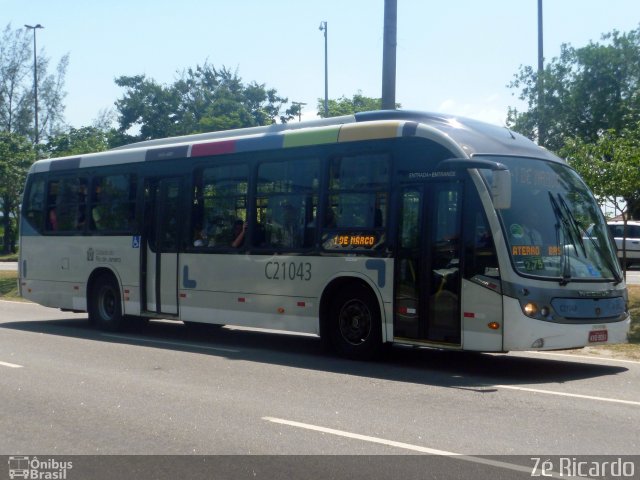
(554, 228)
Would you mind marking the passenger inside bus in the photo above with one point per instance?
(52, 222)
(199, 238)
(239, 230)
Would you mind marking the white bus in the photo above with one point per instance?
(382, 227)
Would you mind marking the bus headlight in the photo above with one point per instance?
(530, 309)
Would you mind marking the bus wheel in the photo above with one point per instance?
(356, 330)
(105, 307)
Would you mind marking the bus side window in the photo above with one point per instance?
(66, 204)
(112, 203)
(481, 258)
(219, 202)
(287, 204)
(34, 208)
(358, 199)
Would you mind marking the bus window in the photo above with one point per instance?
(219, 204)
(66, 204)
(113, 203)
(357, 202)
(34, 207)
(480, 252)
(286, 204)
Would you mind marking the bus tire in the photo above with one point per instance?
(356, 328)
(105, 306)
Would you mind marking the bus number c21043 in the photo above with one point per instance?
(288, 271)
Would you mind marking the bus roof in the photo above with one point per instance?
(464, 137)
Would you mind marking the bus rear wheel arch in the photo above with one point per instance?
(351, 320)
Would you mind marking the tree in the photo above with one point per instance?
(203, 99)
(586, 91)
(77, 141)
(591, 96)
(16, 87)
(349, 106)
(611, 167)
(17, 116)
(16, 155)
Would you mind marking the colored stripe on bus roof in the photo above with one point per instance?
(263, 142)
(354, 132)
(213, 148)
(301, 138)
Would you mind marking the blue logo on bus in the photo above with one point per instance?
(135, 241)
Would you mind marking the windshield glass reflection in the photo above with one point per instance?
(546, 226)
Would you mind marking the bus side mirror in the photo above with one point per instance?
(501, 184)
(501, 189)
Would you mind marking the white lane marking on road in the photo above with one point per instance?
(406, 446)
(10, 365)
(173, 344)
(566, 394)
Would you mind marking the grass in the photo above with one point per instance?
(12, 257)
(9, 286)
(9, 291)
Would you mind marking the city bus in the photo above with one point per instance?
(385, 227)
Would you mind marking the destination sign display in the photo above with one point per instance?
(352, 240)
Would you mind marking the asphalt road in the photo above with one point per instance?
(68, 389)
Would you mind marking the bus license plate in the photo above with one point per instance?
(596, 336)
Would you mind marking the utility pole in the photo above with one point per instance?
(35, 78)
(299, 105)
(541, 106)
(389, 54)
(323, 26)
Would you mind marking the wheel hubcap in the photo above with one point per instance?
(355, 322)
(107, 304)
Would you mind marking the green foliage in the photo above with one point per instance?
(610, 165)
(349, 106)
(17, 106)
(16, 155)
(16, 86)
(9, 285)
(77, 141)
(590, 112)
(586, 91)
(203, 99)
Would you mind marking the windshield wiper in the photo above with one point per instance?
(574, 224)
(579, 233)
(565, 265)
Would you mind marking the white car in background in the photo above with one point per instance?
(632, 239)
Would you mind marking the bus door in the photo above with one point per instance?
(428, 284)
(161, 243)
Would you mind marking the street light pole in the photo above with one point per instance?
(389, 54)
(541, 107)
(323, 26)
(35, 77)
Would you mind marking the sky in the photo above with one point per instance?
(455, 56)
